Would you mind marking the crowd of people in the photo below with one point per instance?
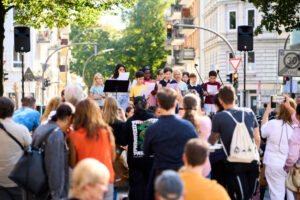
(169, 138)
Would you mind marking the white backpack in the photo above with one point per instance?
(242, 147)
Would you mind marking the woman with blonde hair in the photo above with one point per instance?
(277, 132)
(50, 108)
(90, 180)
(93, 138)
(97, 90)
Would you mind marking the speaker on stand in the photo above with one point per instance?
(245, 44)
(22, 45)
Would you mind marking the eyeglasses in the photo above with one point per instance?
(98, 78)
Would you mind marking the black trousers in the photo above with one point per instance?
(218, 172)
(138, 180)
(10, 193)
(241, 180)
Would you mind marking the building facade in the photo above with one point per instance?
(212, 53)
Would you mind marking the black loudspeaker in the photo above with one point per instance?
(245, 38)
(22, 39)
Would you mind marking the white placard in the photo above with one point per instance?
(123, 76)
(212, 89)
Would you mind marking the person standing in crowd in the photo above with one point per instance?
(196, 186)
(218, 158)
(202, 124)
(93, 138)
(50, 109)
(159, 75)
(97, 90)
(10, 151)
(186, 77)
(122, 97)
(182, 86)
(129, 112)
(27, 115)
(115, 118)
(73, 93)
(90, 180)
(167, 79)
(210, 89)
(169, 186)
(147, 74)
(133, 136)
(139, 86)
(166, 138)
(262, 110)
(56, 152)
(241, 178)
(277, 132)
(194, 86)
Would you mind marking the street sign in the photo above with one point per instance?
(28, 76)
(289, 63)
(235, 62)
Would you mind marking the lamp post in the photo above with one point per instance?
(89, 58)
(45, 65)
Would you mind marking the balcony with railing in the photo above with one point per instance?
(43, 36)
(186, 2)
(175, 12)
(186, 55)
(187, 19)
(177, 38)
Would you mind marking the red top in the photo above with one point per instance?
(209, 99)
(149, 81)
(91, 148)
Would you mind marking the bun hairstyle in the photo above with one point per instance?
(63, 111)
(190, 104)
(140, 104)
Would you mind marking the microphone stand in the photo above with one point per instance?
(220, 77)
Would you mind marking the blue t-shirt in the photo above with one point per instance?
(27, 117)
(97, 90)
(166, 139)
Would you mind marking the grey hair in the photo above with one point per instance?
(73, 93)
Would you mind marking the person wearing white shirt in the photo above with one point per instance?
(277, 132)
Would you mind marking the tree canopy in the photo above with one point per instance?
(277, 15)
(53, 13)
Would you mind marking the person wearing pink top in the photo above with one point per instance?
(294, 141)
(202, 124)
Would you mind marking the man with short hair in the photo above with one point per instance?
(168, 186)
(166, 138)
(73, 93)
(195, 156)
(27, 115)
(241, 178)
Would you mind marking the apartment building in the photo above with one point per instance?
(42, 43)
(212, 53)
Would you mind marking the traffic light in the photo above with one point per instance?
(235, 80)
(169, 31)
(229, 77)
(5, 76)
(46, 83)
(285, 79)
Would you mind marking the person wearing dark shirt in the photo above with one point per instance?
(167, 81)
(241, 178)
(133, 135)
(194, 86)
(210, 89)
(166, 138)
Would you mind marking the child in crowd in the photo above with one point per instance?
(97, 90)
(186, 77)
(155, 111)
(167, 80)
(139, 86)
(159, 75)
(210, 88)
(194, 86)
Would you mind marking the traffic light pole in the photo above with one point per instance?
(244, 97)
(23, 79)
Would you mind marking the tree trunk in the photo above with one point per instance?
(2, 19)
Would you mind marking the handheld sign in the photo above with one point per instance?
(235, 62)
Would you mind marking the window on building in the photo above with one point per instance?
(230, 69)
(251, 18)
(232, 20)
(251, 61)
(17, 59)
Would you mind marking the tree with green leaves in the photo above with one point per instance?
(277, 15)
(53, 13)
(143, 41)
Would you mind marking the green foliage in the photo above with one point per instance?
(141, 43)
(278, 15)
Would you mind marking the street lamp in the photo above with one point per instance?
(94, 55)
